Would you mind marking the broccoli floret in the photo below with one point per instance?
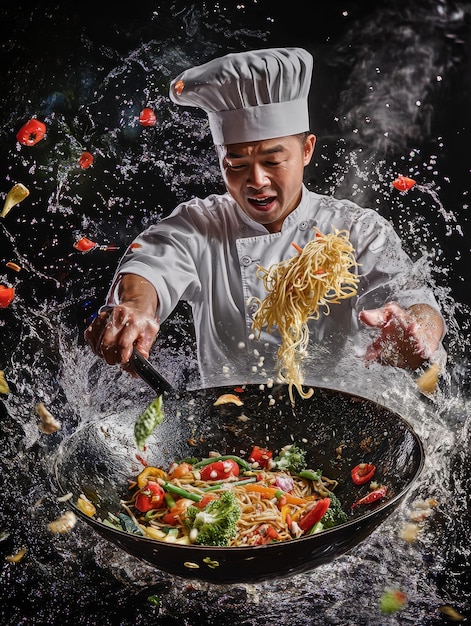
(291, 459)
(216, 524)
(334, 514)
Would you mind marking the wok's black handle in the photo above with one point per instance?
(149, 374)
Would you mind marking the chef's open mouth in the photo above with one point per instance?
(261, 203)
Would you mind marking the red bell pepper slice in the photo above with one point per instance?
(152, 496)
(261, 456)
(362, 473)
(219, 470)
(403, 183)
(32, 132)
(147, 117)
(85, 160)
(6, 296)
(314, 515)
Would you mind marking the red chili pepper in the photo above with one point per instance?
(32, 132)
(147, 117)
(85, 160)
(314, 515)
(403, 183)
(151, 497)
(377, 494)
(219, 470)
(260, 456)
(84, 244)
(362, 473)
(6, 296)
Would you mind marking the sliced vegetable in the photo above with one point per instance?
(263, 534)
(271, 492)
(403, 183)
(7, 295)
(31, 133)
(151, 497)
(182, 469)
(147, 117)
(85, 160)
(220, 470)
(228, 398)
(48, 424)
(148, 421)
(64, 523)
(373, 496)
(315, 513)
(16, 195)
(84, 244)
(4, 388)
(13, 266)
(260, 456)
(392, 601)
(362, 473)
(150, 473)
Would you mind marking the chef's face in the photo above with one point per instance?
(265, 177)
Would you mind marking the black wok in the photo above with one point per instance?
(337, 429)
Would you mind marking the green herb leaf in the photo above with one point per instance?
(148, 421)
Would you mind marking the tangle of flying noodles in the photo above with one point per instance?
(298, 288)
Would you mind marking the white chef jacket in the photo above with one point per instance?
(207, 252)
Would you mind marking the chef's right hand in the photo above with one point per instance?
(117, 329)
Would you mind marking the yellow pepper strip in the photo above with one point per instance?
(150, 473)
(271, 492)
(284, 512)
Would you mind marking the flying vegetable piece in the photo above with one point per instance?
(16, 194)
(16, 558)
(7, 295)
(85, 160)
(64, 523)
(403, 183)
(391, 601)
(228, 398)
(48, 424)
(428, 382)
(31, 133)
(13, 266)
(4, 388)
(148, 421)
(147, 117)
(85, 245)
(260, 456)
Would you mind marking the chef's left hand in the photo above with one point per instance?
(408, 337)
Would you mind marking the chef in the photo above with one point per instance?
(208, 250)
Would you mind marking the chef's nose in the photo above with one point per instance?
(257, 177)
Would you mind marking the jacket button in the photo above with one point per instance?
(303, 225)
(245, 261)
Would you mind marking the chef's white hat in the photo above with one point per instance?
(250, 96)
